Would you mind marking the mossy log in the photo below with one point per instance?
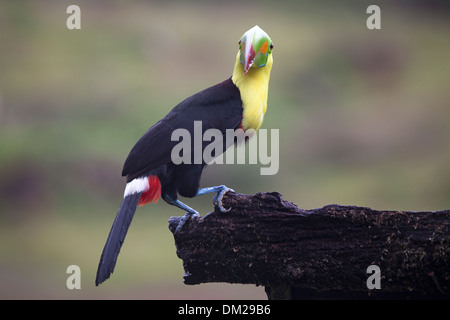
(319, 253)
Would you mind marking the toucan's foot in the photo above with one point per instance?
(190, 212)
(217, 200)
(186, 217)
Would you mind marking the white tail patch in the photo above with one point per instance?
(137, 185)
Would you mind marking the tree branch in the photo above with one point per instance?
(319, 253)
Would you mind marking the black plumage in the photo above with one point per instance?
(116, 237)
(218, 107)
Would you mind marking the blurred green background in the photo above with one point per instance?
(363, 118)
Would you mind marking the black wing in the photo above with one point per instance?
(218, 107)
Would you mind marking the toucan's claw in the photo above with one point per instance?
(183, 220)
(217, 200)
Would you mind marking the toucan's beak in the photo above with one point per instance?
(254, 48)
(249, 56)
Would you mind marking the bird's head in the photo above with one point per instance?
(255, 46)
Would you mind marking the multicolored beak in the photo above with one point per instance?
(255, 46)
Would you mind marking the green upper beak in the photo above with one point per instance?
(255, 46)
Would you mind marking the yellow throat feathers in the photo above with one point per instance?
(254, 88)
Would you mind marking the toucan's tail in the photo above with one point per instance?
(116, 237)
(137, 192)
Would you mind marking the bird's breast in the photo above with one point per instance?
(253, 116)
(254, 88)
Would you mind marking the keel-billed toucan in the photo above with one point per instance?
(238, 102)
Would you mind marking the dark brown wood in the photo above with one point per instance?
(320, 253)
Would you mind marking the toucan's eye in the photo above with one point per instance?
(240, 41)
(271, 46)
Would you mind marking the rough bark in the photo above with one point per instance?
(319, 253)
